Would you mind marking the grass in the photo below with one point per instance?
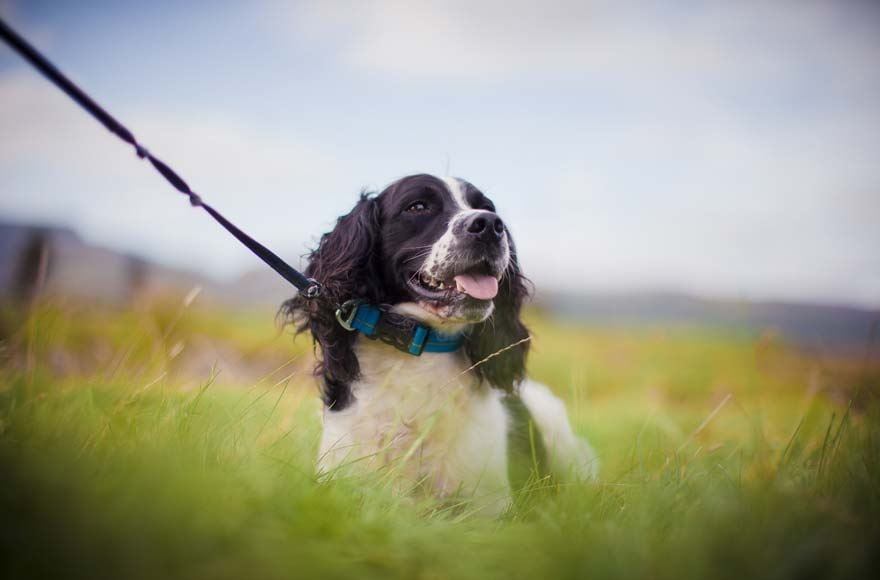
(724, 456)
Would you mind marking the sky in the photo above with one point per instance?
(727, 149)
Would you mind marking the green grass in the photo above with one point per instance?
(723, 456)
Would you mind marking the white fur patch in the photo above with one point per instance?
(438, 318)
(426, 420)
(456, 188)
(568, 454)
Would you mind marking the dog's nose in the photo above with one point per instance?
(485, 226)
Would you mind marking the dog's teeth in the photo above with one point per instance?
(432, 282)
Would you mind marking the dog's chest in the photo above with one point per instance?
(396, 385)
(426, 416)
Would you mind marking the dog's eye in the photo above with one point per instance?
(417, 207)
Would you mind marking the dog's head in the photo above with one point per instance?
(434, 249)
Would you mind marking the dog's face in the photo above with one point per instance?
(434, 249)
(443, 249)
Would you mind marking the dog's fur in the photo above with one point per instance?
(443, 420)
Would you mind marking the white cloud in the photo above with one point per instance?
(641, 42)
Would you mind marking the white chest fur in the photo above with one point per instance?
(425, 419)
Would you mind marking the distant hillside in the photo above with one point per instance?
(58, 262)
(819, 325)
(61, 263)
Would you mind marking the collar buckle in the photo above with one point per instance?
(346, 314)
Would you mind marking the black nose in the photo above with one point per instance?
(485, 225)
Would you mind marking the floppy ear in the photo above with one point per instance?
(343, 263)
(504, 328)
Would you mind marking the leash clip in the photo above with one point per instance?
(314, 289)
(346, 314)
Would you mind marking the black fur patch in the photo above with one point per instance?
(526, 454)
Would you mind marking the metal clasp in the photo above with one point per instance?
(346, 314)
(314, 289)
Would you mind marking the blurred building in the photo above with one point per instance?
(55, 261)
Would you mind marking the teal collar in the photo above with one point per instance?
(404, 333)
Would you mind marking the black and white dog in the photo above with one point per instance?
(422, 349)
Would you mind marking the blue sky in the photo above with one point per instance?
(726, 149)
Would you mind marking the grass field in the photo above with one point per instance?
(176, 441)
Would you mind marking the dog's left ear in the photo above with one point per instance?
(504, 328)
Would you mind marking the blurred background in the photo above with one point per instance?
(712, 164)
(694, 189)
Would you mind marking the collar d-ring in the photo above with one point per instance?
(346, 313)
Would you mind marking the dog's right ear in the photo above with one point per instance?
(344, 264)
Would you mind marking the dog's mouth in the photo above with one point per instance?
(478, 282)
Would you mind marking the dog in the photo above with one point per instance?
(421, 351)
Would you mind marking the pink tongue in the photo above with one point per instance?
(479, 286)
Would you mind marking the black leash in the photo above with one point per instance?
(405, 334)
(309, 287)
